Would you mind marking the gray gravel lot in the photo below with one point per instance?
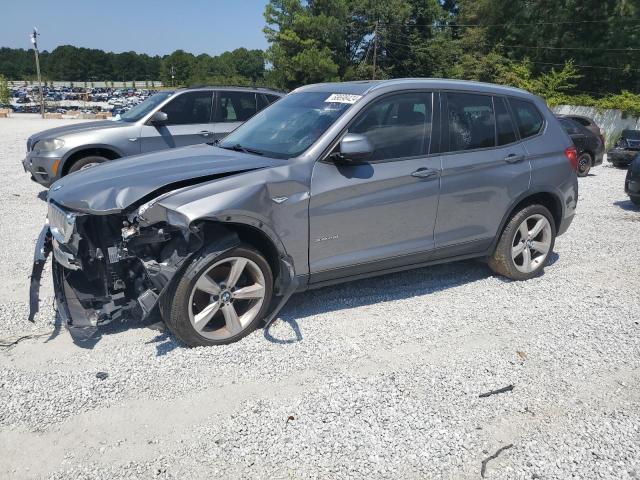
(375, 379)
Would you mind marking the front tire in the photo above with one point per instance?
(525, 244)
(86, 162)
(219, 299)
(584, 164)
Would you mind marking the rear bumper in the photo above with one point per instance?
(622, 157)
(565, 224)
(598, 159)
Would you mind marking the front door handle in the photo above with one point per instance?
(205, 133)
(424, 173)
(513, 158)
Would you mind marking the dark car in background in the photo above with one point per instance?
(587, 123)
(590, 145)
(165, 120)
(626, 148)
(632, 181)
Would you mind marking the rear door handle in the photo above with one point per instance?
(424, 173)
(205, 133)
(513, 158)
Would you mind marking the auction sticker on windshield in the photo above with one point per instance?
(343, 98)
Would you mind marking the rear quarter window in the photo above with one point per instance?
(528, 118)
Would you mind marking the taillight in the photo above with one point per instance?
(572, 155)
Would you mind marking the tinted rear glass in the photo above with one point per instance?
(528, 118)
(471, 121)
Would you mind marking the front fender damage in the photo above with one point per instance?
(115, 278)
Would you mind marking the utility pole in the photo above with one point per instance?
(375, 48)
(34, 40)
(173, 75)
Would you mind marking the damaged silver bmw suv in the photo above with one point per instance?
(332, 183)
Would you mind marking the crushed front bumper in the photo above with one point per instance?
(82, 322)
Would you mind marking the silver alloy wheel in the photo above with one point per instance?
(226, 298)
(531, 243)
(89, 165)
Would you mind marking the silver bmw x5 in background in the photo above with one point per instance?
(334, 182)
(165, 120)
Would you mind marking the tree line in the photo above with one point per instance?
(563, 47)
(560, 50)
(79, 64)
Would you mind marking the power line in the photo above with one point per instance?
(545, 47)
(541, 63)
(589, 66)
(477, 25)
(548, 47)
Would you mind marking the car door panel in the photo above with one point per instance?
(161, 137)
(386, 208)
(479, 179)
(364, 213)
(476, 189)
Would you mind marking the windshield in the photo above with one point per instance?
(631, 134)
(143, 108)
(291, 125)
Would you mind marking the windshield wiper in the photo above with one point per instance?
(239, 148)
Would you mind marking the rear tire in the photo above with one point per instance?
(219, 299)
(635, 201)
(525, 245)
(584, 164)
(86, 162)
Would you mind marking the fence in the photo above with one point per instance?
(89, 84)
(611, 122)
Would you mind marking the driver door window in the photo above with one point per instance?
(397, 127)
(188, 123)
(189, 108)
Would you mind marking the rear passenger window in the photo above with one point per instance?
(397, 126)
(528, 118)
(570, 127)
(506, 129)
(471, 121)
(236, 106)
(272, 98)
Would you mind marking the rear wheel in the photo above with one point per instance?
(220, 298)
(584, 164)
(635, 200)
(86, 162)
(525, 244)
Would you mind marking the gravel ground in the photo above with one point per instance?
(374, 379)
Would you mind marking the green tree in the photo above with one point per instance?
(5, 93)
(301, 38)
(183, 65)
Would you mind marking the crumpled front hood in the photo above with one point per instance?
(116, 185)
(76, 128)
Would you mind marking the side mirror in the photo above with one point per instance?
(158, 118)
(354, 148)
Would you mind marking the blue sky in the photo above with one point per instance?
(153, 27)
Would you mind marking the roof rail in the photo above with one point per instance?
(248, 87)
